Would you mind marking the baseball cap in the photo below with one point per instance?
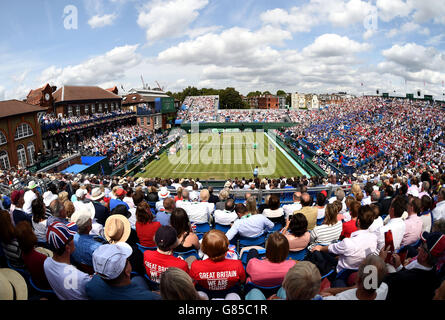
(15, 195)
(81, 217)
(58, 235)
(166, 238)
(109, 260)
(120, 192)
(435, 241)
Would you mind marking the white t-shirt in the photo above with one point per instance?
(198, 212)
(225, 217)
(289, 209)
(29, 196)
(66, 280)
(40, 230)
(273, 213)
(350, 294)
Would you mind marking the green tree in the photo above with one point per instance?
(266, 93)
(229, 98)
(281, 93)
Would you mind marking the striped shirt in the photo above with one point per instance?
(325, 234)
(13, 253)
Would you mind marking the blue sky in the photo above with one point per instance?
(299, 46)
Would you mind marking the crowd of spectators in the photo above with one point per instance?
(94, 226)
(123, 144)
(199, 108)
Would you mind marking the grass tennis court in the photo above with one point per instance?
(213, 156)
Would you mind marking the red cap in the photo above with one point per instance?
(120, 192)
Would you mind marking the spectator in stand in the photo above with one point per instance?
(145, 226)
(8, 241)
(176, 284)
(118, 229)
(272, 270)
(84, 243)
(30, 195)
(275, 213)
(296, 232)
(101, 212)
(163, 216)
(351, 226)
(120, 194)
(178, 194)
(440, 292)
(385, 203)
(413, 224)
(112, 280)
(439, 210)
(289, 209)
(396, 224)
(162, 195)
(351, 251)
(223, 196)
(308, 210)
(212, 199)
(187, 239)
(425, 214)
(251, 205)
(217, 275)
(32, 258)
(128, 199)
(362, 290)
(227, 216)
(158, 261)
(329, 231)
(321, 204)
(416, 279)
(248, 225)
(39, 220)
(302, 282)
(58, 268)
(69, 209)
(17, 199)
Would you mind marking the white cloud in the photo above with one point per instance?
(390, 9)
(436, 40)
(235, 46)
(169, 19)
(426, 10)
(408, 28)
(107, 67)
(328, 45)
(99, 21)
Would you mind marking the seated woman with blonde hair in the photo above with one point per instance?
(329, 231)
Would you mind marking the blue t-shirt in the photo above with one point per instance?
(85, 246)
(97, 289)
(163, 218)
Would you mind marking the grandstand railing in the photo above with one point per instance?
(286, 194)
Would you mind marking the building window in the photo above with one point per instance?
(4, 160)
(2, 139)
(99, 108)
(93, 108)
(106, 107)
(70, 111)
(24, 130)
(21, 155)
(78, 110)
(87, 107)
(142, 121)
(31, 152)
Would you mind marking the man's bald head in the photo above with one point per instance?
(306, 199)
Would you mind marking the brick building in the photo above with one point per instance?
(20, 135)
(84, 100)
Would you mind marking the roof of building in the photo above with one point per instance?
(10, 108)
(114, 90)
(133, 98)
(79, 93)
(34, 96)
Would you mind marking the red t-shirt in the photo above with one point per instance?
(156, 263)
(220, 275)
(348, 228)
(34, 263)
(146, 233)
